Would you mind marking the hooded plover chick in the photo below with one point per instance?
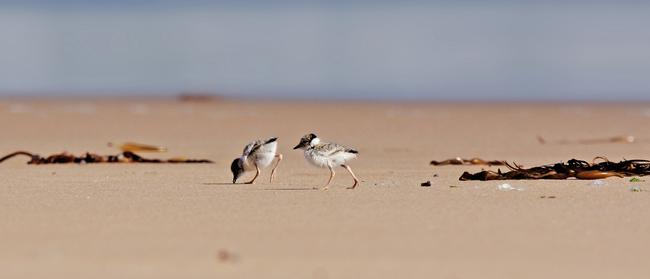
(258, 154)
(327, 155)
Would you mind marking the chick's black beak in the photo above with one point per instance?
(236, 176)
(298, 146)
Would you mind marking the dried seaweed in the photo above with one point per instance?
(571, 169)
(138, 147)
(617, 139)
(473, 161)
(91, 158)
(198, 97)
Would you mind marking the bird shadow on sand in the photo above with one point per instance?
(266, 189)
(221, 183)
(290, 189)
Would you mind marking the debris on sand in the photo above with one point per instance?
(617, 139)
(573, 168)
(90, 158)
(473, 161)
(636, 189)
(507, 187)
(198, 97)
(426, 184)
(138, 147)
(636, 179)
(598, 183)
(225, 256)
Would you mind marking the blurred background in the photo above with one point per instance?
(353, 49)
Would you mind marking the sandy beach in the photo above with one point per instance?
(188, 221)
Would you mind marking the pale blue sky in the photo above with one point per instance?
(489, 50)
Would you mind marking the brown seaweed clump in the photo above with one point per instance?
(616, 139)
(138, 147)
(90, 158)
(472, 161)
(573, 168)
(199, 97)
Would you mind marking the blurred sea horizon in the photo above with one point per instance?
(328, 50)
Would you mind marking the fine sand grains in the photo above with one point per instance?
(188, 221)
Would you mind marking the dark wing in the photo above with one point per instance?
(350, 150)
(252, 147)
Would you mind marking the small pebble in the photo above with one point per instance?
(226, 256)
(597, 183)
(426, 184)
(508, 187)
(636, 189)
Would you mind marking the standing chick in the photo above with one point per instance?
(327, 155)
(256, 155)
